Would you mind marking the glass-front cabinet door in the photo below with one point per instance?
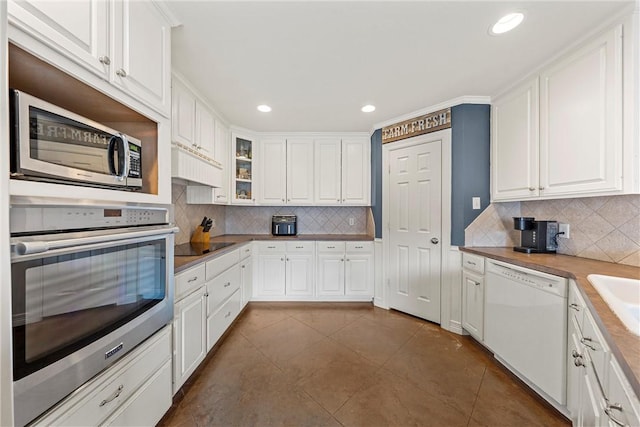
(243, 171)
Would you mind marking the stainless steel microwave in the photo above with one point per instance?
(49, 143)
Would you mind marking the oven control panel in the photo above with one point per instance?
(38, 219)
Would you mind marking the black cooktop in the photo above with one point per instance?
(195, 249)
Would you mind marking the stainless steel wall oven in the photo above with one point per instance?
(88, 284)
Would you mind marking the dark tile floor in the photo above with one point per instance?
(319, 364)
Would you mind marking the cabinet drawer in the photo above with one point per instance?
(100, 397)
(620, 392)
(595, 345)
(268, 247)
(155, 393)
(218, 323)
(331, 247)
(222, 287)
(246, 251)
(222, 263)
(189, 280)
(359, 247)
(576, 305)
(473, 262)
(299, 246)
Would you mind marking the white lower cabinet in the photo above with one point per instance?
(473, 295)
(208, 300)
(345, 270)
(135, 391)
(189, 335)
(598, 393)
(285, 270)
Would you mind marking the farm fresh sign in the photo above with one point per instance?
(428, 123)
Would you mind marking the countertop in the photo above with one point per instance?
(181, 263)
(624, 344)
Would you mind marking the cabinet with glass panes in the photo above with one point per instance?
(243, 170)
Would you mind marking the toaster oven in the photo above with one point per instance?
(284, 225)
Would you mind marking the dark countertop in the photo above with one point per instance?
(181, 263)
(624, 344)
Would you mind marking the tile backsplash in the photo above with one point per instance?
(605, 228)
(311, 219)
(188, 217)
(257, 219)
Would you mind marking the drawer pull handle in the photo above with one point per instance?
(244, 266)
(586, 341)
(574, 306)
(271, 247)
(227, 284)
(299, 247)
(359, 247)
(113, 396)
(193, 279)
(228, 314)
(331, 247)
(247, 250)
(617, 407)
(476, 283)
(471, 263)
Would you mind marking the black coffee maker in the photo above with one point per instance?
(536, 236)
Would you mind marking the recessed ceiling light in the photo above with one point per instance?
(368, 108)
(264, 108)
(507, 23)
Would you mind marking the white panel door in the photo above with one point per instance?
(189, 336)
(328, 170)
(183, 110)
(271, 271)
(415, 229)
(300, 172)
(473, 304)
(205, 130)
(331, 274)
(273, 171)
(142, 53)
(79, 28)
(356, 175)
(515, 144)
(358, 274)
(299, 275)
(581, 120)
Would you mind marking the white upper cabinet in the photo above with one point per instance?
(561, 133)
(515, 144)
(300, 171)
(127, 43)
(142, 52)
(581, 119)
(328, 171)
(342, 171)
(273, 171)
(205, 130)
(356, 175)
(183, 115)
(81, 32)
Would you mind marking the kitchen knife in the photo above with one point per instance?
(204, 221)
(208, 225)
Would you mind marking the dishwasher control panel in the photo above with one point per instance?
(543, 281)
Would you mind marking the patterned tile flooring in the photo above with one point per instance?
(351, 364)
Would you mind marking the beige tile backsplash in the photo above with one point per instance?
(602, 228)
(257, 219)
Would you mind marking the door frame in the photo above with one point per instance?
(445, 212)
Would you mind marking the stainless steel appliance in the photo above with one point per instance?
(89, 283)
(49, 143)
(284, 225)
(536, 236)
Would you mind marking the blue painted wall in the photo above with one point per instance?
(470, 150)
(470, 125)
(376, 180)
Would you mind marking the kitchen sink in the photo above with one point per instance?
(623, 297)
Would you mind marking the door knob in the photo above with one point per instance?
(435, 240)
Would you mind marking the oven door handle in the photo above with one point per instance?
(34, 247)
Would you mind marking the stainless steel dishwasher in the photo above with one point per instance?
(526, 324)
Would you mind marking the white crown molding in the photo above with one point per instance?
(467, 99)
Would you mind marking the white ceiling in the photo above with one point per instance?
(318, 62)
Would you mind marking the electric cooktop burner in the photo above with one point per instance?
(195, 249)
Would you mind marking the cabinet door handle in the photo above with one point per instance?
(574, 306)
(121, 73)
(348, 259)
(476, 283)
(206, 294)
(338, 200)
(532, 188)
(113, 396)
(541, 188)
(105, 60)
(283, 200)
(227, 284)
(578, 361)
(281, 259)
(617, 407)
(342, 259)
(227, 315)
(243, 266)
